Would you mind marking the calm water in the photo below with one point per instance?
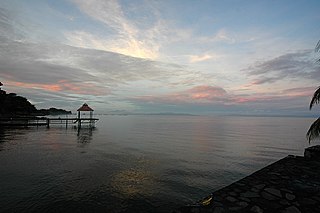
(138, 163)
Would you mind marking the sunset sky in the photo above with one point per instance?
(154, 56)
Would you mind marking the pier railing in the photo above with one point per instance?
(44, 121)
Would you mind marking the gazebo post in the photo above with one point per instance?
(91, 118)
(79, 120)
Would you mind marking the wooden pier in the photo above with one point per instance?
(44, 121)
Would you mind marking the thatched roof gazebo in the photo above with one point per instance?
(85, 108)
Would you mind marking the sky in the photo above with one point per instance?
(247, 57)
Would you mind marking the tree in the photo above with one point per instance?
(314, 130)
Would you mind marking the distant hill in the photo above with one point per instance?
(53, 111)
(12, 105)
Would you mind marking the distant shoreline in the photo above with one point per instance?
(13, 105)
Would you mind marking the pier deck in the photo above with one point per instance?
(44, 121)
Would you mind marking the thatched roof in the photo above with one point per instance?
(85, 107)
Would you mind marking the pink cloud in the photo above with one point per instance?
(253, 98)
(198, 94)
(48, 87)
(269, 97)
(205, 92)
(300, 92)
(61, 86)
(212, 95)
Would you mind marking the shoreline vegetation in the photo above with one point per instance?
(13, 105)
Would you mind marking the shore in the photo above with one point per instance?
(291, 184)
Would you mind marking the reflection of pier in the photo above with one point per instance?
(72, 121)
(84, 135)
(48, 121)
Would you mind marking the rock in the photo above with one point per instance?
(268, 196)
(291, 209)
(231, 199)
(195, 210)
(296, 203)
(250, 194)
(244, 199)
(260, 186)
(233, 194)
(272, 205)
(240, 184)
(274, 182)
(284, 202)
(308, 201)
(235, 208)
(237, 190)
(217, 204)
(312, 152)
(274, 173)
(242, 204)
(286, 190)
(218, 210)
(253, 189)
(256, 209)
(273, 191)
(316, 198)
(290, 196)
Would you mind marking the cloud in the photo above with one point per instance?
(204, 57)
(112, 64)
(141, 31)
(62, 86)
(50, 63)
(296, 65)
(108, 12)
(53, 74)
(299, 92)
(262, 80)
(221, 36)
(288, 98)
(66, 71)
(198, 94)
(131, 47)
(216, 98)
(126, 37)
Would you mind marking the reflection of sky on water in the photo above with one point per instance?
(137, 179)
(133, 182)
(138, 162)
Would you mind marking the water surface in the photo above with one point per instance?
(138, 163)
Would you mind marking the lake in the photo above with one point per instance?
(138, 163)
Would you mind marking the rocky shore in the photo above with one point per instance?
(291, 184)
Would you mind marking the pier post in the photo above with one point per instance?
(79, 120)
(48, 122)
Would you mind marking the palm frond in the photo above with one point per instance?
(315, 99)
(317, 48)
(314, 130)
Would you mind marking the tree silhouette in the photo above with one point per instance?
(314, 130)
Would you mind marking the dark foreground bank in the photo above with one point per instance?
(291, 184)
